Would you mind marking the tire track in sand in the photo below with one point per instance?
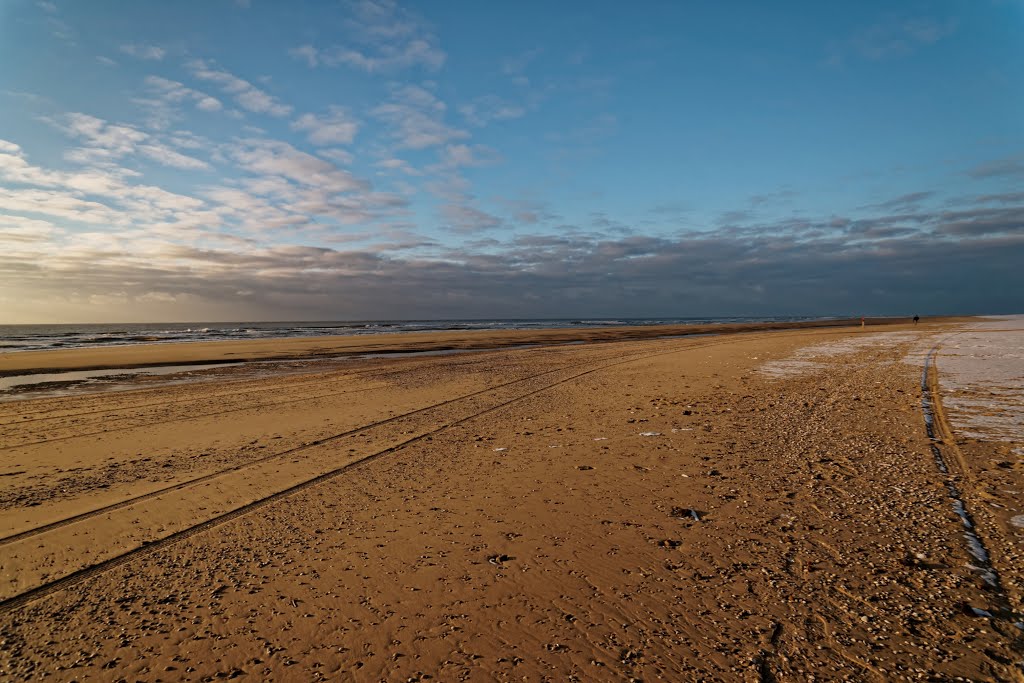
(23, 595)
(164, 404)
(28, 533)
(943, 444)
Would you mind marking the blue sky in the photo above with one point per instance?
(265, 160)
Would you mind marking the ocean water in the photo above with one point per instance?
(42, 337)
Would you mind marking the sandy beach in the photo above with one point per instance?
(764, 504)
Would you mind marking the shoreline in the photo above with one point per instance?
(136, 356)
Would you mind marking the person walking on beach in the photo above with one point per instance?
(916, 318)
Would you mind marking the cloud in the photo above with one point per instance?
(106, 142)
(21, 229)
(529, 211)
(276, 158)
(164, 155)
(461, 155)
(58, 29)
(123, 230)
(516, 65)
(589, 132)
(57, 204)
(335, 127)
(288, 188)
(400, 165)
(165, 97)
(982, 221)
(462, 218)
(490, 108)
(148, 52)
(893, 37)
(101, 195)
(416, 119)
(382, 37)
(149, 252)
(1012, 167)
(1001, 198)
(337, 155)
(248, 96)
(173, 91)
(746, 272)
(306, 53)
(903, 201)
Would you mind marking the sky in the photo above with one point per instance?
(255, 160)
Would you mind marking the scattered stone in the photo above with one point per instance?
(685, 513)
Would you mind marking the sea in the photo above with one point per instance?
(73, 336)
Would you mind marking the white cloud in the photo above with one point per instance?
(382, 37)
(395, 164)
(276, 158)
(162, 154)
(306, 53)
(22, 229)
(465, 218)
(173, 91)
(337, 155)
(144, 235)
(287, 188)
(385, 58)
(88, 196)
(416, 118)
(248, 96)
(57, 204)
(106, 142)
(166, 97)
(335, 127)
(517, 64)
(105, 139)
(484, 110)
(148, 52)
(460, 155)
(893, 37)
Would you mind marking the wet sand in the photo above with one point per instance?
(709, 508)
(305, 348)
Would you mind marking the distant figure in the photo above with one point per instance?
(916, 318)
(862, 321)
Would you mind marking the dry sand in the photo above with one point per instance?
(663, 509)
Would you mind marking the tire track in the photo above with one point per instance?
(84, 573)
(942, 442)
(183, 418)
(126, 397)
(322, 378)
(14, 410)
(6, 540)
(193, 416)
